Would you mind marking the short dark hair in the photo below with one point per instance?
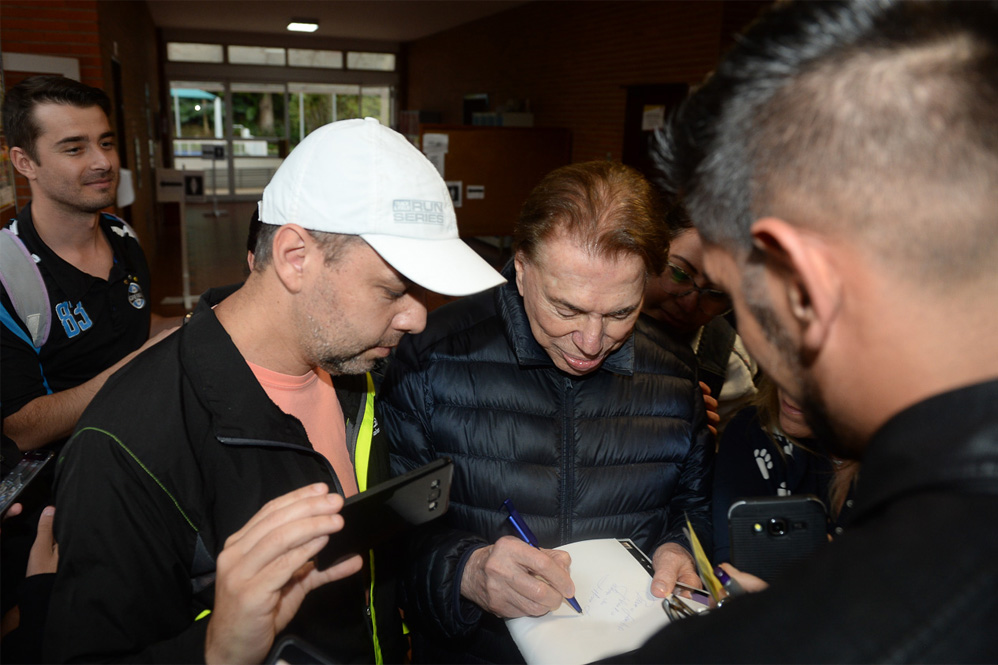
(874, 118)
(332, 244)
(608, 207)
(20, 101)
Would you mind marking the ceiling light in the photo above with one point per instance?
(303, 24)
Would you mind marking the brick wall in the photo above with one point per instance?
(62, 28)
(572, 61)
(93, 32)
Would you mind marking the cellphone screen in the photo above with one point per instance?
(20, 476)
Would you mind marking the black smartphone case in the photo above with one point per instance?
(386, 510)
(768, 534)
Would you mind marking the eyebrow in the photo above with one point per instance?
(689, 266)
(567, 305)
(81, 139)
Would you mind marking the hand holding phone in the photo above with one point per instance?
(386, 510)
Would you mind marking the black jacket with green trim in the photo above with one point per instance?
(177, 452)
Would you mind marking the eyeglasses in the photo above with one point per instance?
(710, 301)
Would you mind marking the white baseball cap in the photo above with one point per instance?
(358, 177)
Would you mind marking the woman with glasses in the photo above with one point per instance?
(685, 302)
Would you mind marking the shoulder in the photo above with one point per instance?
(658, 352)
(118, 226)
(122, 236)
(471, 317)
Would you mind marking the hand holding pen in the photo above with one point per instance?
(528, 537)
(512, 579)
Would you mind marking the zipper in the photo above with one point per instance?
(567, 465)
(263, 443)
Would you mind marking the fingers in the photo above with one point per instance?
(748, 581)
(312, 499)
(672, 562)
(44, 554)
(13, 511)
(511, 578)
(283, 535)
(713, 417)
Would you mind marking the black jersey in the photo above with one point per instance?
(95, 322)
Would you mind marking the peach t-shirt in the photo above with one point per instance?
(311, 399)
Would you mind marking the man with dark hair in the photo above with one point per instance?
(196, 490)
(842, 166)
(549, 391)
(94, 272)
(74, 304)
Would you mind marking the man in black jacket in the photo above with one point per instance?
(207, 474)
(551, 391)
(842, 167)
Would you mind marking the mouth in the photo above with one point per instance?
(789, 409)
(582, 365)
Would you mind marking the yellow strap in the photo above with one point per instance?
(362, 455)
(362, 458)
(203, 614)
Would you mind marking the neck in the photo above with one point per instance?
(935, 345)
(257, 318)
(75, 236)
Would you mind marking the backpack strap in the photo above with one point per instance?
(25, 286)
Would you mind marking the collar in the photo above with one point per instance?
(949, 440)
(68, 278)
(241, 411)
(509, 304)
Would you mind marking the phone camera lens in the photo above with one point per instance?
(777, 527)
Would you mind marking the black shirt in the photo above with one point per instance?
(95, 322)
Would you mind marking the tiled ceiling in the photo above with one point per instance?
(388, 20)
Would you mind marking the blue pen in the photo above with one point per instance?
(528, 537)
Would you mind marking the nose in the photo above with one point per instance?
(689, 302)
(412, 318)
(589, 337)
(101, 161)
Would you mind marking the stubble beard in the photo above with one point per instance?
(832, 435)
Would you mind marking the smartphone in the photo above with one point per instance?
(768, 534)
(386, 510)
(292, 650)
(22, 474)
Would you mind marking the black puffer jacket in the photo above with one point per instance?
(622, 452)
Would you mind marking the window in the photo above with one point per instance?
(382, 62)
(198, 109)
(188, 52)
(299, 57)
(312, 105)
(257, 110)
(256, 55)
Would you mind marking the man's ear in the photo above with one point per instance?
(22, 162)
(290, 254)
(518, 262)
(810, 281)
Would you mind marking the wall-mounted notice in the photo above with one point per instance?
(435, 148)
(454, 186)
